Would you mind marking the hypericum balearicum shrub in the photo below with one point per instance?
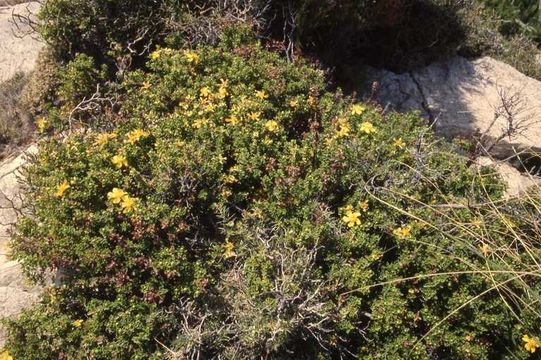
(239, 210)
(114, 33)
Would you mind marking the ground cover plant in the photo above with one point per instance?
(209, 195)
(235, 208)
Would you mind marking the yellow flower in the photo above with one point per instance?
(367, 127)
(61, 189)
(530, 344)
(197, 124)
(508, 222)
(358, 109)
(222, 91)
(399, 143)
(228, 249)
(348, 208)
(311, 100)
(376, 255)
(41, 123)
(230, 179)
(477, 223)
(155, 55)
(254, 116)
(191, 56)
(204, 92)
(363, 205)
(226, 193)
(232, 120)
(293, 103)
(5, 355)
(209, 108)
(484, 248)
(103, 138)
(78, 323)
(402, 232)
(234, 168)
(272, 126)
(352, 218)
(343, 129)
(260, 94)
(135, 135)
(146, 85)
(119, 161)
(116, 195)
(128, 204)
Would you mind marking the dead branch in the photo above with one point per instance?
(90, 105)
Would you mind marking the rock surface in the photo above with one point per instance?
(484, 99)
(464, 97)
(18, 49)
(18, 52)
(11, 201)
(15, 293)
(516, 181)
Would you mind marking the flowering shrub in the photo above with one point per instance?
(111, 32)
(236, 209)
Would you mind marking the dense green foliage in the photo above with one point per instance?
(519, 16)
(113, 32)
(342, 34)
(198, 196)
(238, 209)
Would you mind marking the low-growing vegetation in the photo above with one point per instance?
(214, 196)
(518, 16)
(16, 126)
(240, 210)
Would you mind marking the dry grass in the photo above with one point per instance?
(507, 235)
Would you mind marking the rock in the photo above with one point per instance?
(18, 52)
(484, 100)
(516, 181)
(18, 47)
(11, 199)
(464, 97)
(12, 2)
(15, 293)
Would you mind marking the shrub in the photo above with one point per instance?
(519, 16)
(343, 35)
(39, 95)
(399, 35)
(385, 33)
(115, 33)
(67, 94)
(483, 38)
(237, 209)
(16, 126)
